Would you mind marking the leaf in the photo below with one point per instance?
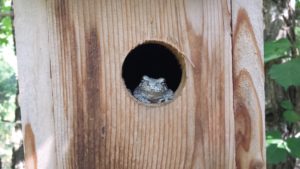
(274, 137)
(275, 154)
(273, 134)
(287, 105)
(297, 4)
(7, 81)
(286, 74)
(6, 26)
(276, 49)
(291, 116)
(294, 146)
(6, 9)
(3, 41)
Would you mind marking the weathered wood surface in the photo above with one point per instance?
(248, 83)
(77, 112)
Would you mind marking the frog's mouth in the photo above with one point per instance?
(153, 94)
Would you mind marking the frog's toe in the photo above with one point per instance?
(143, 100)
(163, 100)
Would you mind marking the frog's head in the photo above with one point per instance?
(153, 85)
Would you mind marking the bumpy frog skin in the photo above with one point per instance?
(153, 91)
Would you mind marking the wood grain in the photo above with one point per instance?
(248, 83)
(70, 55)
(30, 153)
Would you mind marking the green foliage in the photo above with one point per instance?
(272, 135)
(286, 74)
(291, 116)
(276, 49)
(298, 4)
(276, 151)
(5, 22)
(297, 32)
(5, 30)
(279, 148)
(287, 105)
(7, 81)
(7, 106)
(293, 145)
(7, 86)
(276, 154)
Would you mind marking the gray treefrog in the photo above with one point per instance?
(153, 91)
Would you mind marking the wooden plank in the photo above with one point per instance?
(248, 75)
(79, 114)
(208, 27)
(35, 84)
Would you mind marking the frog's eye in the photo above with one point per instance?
(145, 77)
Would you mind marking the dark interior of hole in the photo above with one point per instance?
(153, 60)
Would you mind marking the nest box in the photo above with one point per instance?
(80, 63)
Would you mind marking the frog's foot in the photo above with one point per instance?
(163, 100)
(169, 95)
(166, 98)
(141, 98)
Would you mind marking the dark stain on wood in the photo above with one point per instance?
(196, 43)
(30, 150)
(93, 94)
(67, 49)
(87, 146)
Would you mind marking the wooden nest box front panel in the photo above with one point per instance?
(141, 84)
